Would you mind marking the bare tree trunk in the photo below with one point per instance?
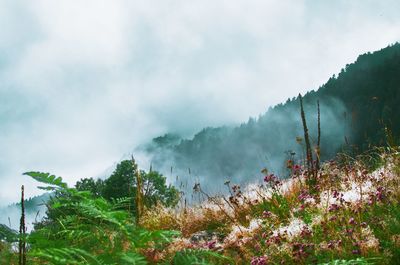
(309, 157)
(311, 168)
(318, 151)
(22, 232)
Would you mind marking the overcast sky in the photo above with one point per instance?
(84, 82)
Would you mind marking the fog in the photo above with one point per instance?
(83, 84)
(239, 153)
(11, 215)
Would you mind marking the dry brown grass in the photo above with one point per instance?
(331, 224)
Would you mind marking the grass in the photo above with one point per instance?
(352, 216)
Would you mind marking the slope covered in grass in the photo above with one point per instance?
(354, 215)
(351, 216)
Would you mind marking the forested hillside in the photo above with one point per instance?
(356, 107)
(35, 208)
(342, 211)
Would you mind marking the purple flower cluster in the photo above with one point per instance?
(380, 193)
(272, 181)
(352, 221)
(236, 193)
(296, 171)
(296, 168)
(236, 188)
(334, 243)
(211, 244)
(301, 250)
(304, 195)
(378, 196)
(333, 207)
(277, 239)
(339, 196)
(270, 178)
(305, 232)
(266, 214)
(259, 260)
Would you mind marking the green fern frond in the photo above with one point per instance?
(199, 257)
(358, 261)
(132, 258)
(59, 256)
(47, 178)
(87, 230)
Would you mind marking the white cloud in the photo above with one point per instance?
(84, 82)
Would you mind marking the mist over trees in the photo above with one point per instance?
(359, 109)
(346, 210)
(35, 208)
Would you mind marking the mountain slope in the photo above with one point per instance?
(34, 211)
(356, 106)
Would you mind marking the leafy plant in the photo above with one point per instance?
(358, 261)
(82, 229)
(123, 183)
(199, 257)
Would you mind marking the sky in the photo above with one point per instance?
(82, 83)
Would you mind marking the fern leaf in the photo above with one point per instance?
(47, 178)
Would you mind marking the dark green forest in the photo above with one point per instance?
(359, 107)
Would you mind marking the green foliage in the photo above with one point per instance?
(199, 257)
(390, 212)
(96, 187)
(65, 256)
(7, 254)
(7, 234)
(132, 258)
(53, 182)
(121, 186)
(277, 205)
(306, 215)
(358, 261)
(82, 229)
(122, 182)
(155, 190)
(85, 229)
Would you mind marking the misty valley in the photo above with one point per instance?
(313, 180)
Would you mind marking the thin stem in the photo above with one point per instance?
(22, 232)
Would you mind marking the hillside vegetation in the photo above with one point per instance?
(351, 216)
(356, 107)
(326, 192)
